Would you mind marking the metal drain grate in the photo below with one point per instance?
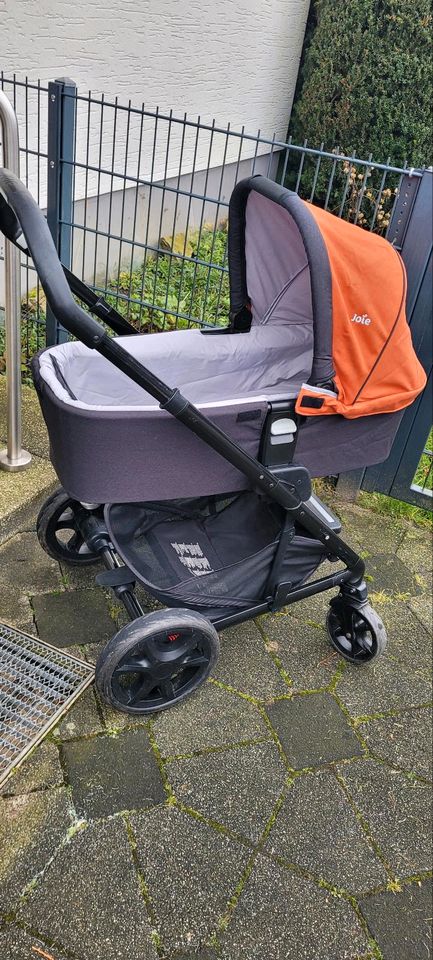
(38, 684)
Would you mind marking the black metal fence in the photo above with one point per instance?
(137, 203)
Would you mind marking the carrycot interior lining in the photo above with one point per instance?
(269, 362)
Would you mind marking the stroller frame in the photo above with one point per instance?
(287, 485)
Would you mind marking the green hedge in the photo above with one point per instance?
(365, 83)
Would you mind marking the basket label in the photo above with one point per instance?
(193, 558)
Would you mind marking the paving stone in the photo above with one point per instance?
(422, 608)
(75, 617)
(291, 917)
(213, 717)
(82, 720)
(31, 828)
(80, 578)
(401, 922)
(416, 550)
(191, 871)
(303, 649)
(15, 609)
(388, 573)
(313, 730)
(371, 530)
(311, 611)
(89, 899)
(404, 740)
(116, 720)
(318, 830)
(40, 770)
(25, 566)
(408, 638)
(17, 944)
(385, 684)
(250, 780)
(108, 774)
(244, 663)
(397, 810)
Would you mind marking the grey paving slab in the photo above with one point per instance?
(373, 532)
(302, 648)
(31, 829)
(213, 717)
(422, 608)
(82, 720)
(388, 573)
(281, 916)
(408, 638)
(15, 608)
(401, 922)
(191, 871)
(89, 898)
(313, 730)
(245, 664)
(416, 550)
(405, 740)
(25, 566)
(17, 944)
(385, 684)
(80, 578)
(39, 771)
(398, 811)
(73, 617)
(108, 774)
(249, 779)
(318, 830)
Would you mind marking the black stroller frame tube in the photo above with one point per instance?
(24, 211)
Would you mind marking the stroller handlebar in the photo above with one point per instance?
(20, 214)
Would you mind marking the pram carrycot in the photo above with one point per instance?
(195, 491)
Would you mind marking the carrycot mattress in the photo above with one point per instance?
(111, 442)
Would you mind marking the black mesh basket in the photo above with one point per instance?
(215, 553)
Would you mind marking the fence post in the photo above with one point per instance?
(60, 181)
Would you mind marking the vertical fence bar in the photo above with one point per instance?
(60, 178)
(14, 458)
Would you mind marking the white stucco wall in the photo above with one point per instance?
(236, 62)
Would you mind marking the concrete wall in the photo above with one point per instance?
(232, 63)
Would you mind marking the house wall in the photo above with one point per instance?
(232, 63)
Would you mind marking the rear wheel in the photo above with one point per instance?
(58, 531)
(355, 630)
(156, 661)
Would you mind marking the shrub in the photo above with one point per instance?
(365, 83)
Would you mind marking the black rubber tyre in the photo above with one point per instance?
(355, 630)
(156, 661)
(58, 534)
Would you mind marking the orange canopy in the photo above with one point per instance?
(376, 368)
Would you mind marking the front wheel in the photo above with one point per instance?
(58, 531)
(355, 630)
(156, 661)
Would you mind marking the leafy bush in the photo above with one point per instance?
(365, 83)
(197, 291)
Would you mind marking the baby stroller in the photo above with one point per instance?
(195, 490)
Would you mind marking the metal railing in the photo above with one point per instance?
(137, 202)
(14, 457)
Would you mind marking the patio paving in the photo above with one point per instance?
(281, 813)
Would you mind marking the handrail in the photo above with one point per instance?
(14, 458)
